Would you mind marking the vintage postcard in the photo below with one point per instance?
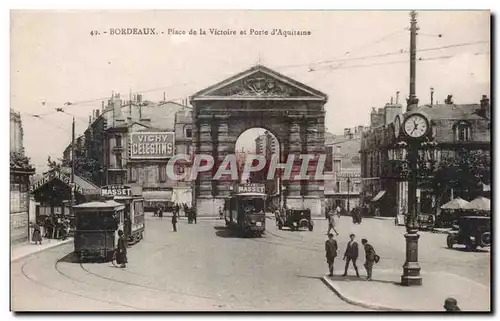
(176, 160)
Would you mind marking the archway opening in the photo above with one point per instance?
(262, 142)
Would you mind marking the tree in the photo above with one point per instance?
(466, 171)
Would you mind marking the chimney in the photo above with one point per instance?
(97, 112)
(397, 97)
(376, 118)
(432, 96)
(390, 112)
(392, 100)
(139, 98)
(164, 97)
(486, 106)
(449, 100)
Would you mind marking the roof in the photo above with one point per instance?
(184, 117)
(80, 181)
(263, 71)
(451, 112)
(106, 205)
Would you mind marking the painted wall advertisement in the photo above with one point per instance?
(152, 145)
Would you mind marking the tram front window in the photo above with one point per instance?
(252, 205)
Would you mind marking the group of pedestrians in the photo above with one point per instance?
(52, 227)
(351, 254)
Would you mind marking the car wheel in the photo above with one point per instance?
(450, 241)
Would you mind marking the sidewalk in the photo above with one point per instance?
(385, 294)
(22, 250)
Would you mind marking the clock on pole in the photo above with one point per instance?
(416, 126)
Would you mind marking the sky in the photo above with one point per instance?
(55, 59)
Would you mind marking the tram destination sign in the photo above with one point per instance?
(116, 190)
(152, 145)
(252, 188)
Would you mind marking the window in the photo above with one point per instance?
(133, 174)
(119, 161)
(189, 132)
(162, 173)
(118, 139)
(463, 131)
(337, 165)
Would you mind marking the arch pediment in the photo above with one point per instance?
(258, 83)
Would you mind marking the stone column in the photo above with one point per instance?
(204, 199)
(294, 197)
(225, 147)
(314, 188)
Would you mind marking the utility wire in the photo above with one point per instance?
(340, 59)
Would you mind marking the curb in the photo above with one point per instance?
(36, 252)
(362, 304)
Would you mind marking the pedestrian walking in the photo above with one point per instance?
(160, 213)
(37, 234)
(451, 305)
(331, 223)
(121, 250)
(221, 213)
(174, 221)
(351, 254)
(331, 252)
(371, 258)
(194, 214)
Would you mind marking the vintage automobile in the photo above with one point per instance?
(471, 231)
(295, 219)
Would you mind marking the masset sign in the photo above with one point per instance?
(152, 145)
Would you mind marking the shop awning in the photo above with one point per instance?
(157, 196)
(455, 204)
(378, 196)
(479, 204)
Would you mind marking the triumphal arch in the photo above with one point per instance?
(259, 97)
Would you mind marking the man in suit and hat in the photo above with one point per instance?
(331, 252)
(351, 254)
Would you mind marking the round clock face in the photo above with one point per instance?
(397, 126)
(416, 126)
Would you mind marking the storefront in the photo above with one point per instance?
(19, 204)
(157, 197)
(52, 193)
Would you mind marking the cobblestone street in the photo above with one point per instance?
(203, 267)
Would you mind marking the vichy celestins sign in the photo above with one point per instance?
(152, 145)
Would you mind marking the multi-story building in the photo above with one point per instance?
(455, 127)
(20, 172)
(108, 144)
(266, 144)
(344, 165)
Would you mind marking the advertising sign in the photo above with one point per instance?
(116, 190)
(252, 188)
(152, 145)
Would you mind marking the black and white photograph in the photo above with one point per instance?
(250, 161)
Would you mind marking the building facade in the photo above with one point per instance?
(111, 158)
(20, 172)
(344, 166)
(456, 129)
